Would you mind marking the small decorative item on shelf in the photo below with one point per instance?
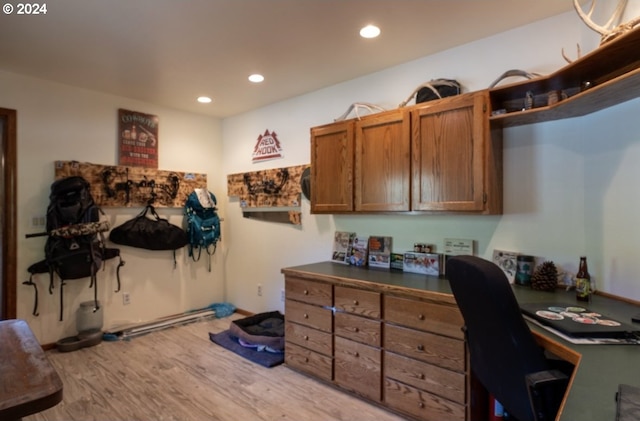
(528, 101)
(553, 97)
(524, 269)
(545, 277)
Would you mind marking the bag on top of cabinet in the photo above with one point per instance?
(434, 89)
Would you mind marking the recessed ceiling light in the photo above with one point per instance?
(256, 78)
(204, 99)
(370, 31)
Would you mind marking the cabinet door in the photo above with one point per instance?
(448, 141)
(382, 162)
(332, 168)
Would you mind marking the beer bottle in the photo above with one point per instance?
(583, 281)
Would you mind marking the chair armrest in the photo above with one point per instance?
(546, 391)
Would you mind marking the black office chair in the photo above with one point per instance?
(504, 355)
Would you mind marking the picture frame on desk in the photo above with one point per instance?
(507, 261)
(358, 252)
(342, 243)
(422, 263)
(380, 252)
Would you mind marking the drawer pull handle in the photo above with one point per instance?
(421, 376)
(305, 292)
(355, 329)
(421, 405)
(306, 359)
(420, 347)
(356, 354)
(306, 338)
(420, 316)
(305, 315)
(355, 302)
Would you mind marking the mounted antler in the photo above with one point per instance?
(608, 31)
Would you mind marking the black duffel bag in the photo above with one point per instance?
(149, 232)
(434, 89)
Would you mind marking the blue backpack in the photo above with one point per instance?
(203, 223)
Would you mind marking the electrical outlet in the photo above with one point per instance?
(126, 298)
(282, 295)
(259, 290)
(37, 222)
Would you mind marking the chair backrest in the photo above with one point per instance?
(501, 346)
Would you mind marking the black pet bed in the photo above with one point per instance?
(264, 358)
(266, 329)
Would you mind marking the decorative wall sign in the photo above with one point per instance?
(267, 147)
(138, 139)
(273, 188)
(121, 186)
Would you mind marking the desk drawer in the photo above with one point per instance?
(308, 315)
(308, 291)
(433, 349)
(357, 301)
(428, 377)
(309, 338)
(358, 328)
(420, 404)
(430, 317)
(308, 361)
(358, 368)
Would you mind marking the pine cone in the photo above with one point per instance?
(545, 277)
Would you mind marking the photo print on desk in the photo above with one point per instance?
(507, 261)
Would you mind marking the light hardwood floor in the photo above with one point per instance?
(179, 374)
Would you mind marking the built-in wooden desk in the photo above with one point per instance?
(599, 368)
(28, 381)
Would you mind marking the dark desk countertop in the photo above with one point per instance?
(601, 367)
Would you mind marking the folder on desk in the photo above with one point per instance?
(578, 321)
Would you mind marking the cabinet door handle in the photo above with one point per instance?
(420, 347)
(305, 292)
(355, 329)
(420, 316)
(355, 302)
(421, 405)
(421, 376)
(305, 315)
(306, 338)
(306, 359)
(356, 354)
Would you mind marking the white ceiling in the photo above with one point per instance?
(168, 52)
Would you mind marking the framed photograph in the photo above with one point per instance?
(137, 139)
(507, 260)
(342, 242)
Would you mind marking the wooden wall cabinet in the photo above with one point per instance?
(438, 156)
(332, 148)
(456, 161)
(382, 159)
(407, 354)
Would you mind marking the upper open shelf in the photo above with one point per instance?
(607, 76)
